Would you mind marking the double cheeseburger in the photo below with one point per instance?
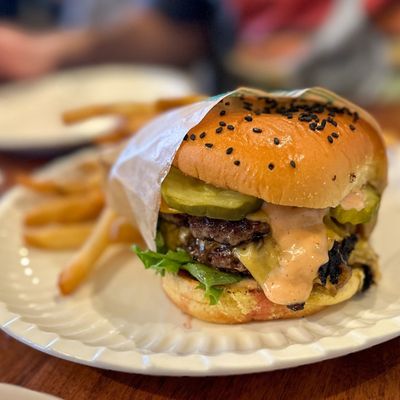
(267, 211)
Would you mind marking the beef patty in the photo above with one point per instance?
(231, 233)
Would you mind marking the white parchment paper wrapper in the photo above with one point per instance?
(137, 175)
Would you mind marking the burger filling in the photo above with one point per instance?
(295, 254)
(223, 245)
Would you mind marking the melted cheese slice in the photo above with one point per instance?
(259, 258)
(301, 238)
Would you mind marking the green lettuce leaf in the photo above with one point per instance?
(209, 278)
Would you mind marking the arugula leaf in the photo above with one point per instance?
(213, 293)
(162, 263)
(209, 278)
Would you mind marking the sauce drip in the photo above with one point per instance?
(354, 201)
(301, 236)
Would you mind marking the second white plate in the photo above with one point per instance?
(30, 117)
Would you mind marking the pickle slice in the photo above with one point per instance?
(355, 217)
(194, 197)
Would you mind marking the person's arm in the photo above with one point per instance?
(147, 36)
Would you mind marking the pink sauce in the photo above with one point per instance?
(301, 236)
(354, 201)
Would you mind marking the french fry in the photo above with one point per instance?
(117, 134)
(167, 104)
(121, 231)
(58, 237)
(92, 166)
(122, 109)
(84, 260)
(133, 115)
(68, 209)
(126, 129)
(52, 186)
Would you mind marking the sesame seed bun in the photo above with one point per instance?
(245, 301)
(290, 159)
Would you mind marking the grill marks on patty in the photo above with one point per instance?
(227, 232)
(231, 233)
(338, 255)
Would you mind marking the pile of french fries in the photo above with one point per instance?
(73, 214)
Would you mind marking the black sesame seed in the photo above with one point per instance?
(352, 127)
(202, 135)
(231, 127)
(237, 162)
(193, 136)
(276, 141)
(209, 145)
(227, 103)
(185, 137)
(222, 123)
(272, 102)
(248, 104)
(330, 139)
(331, 121)
(223, 112)
(248, 118)
(318, 108)
(305, 118)
(281, 110)
(335, 135)
(271, 166)
(356, 117)
(218, 130)
(334, 178)
(257, 130)
(293, 164)
(258, 112)
(247, 108)
(346, 110)
(229, 150)
(313, 126)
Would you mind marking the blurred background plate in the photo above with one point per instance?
(30, 111)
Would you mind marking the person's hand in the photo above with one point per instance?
(25, 54)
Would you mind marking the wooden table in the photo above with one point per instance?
(369, 374)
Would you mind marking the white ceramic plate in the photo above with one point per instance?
(122, 320)
(30, 111)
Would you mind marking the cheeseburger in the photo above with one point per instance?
(267, 210)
